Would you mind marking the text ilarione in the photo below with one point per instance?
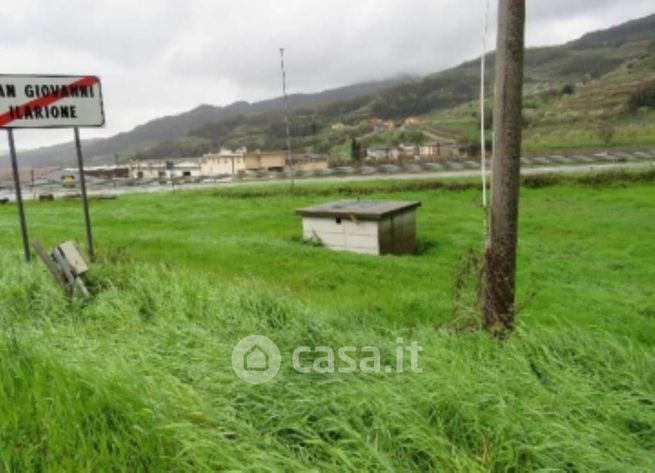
(40, 113)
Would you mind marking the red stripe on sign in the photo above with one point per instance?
(6, 118)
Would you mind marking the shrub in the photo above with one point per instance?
(643, 96)
(567, 89)
(606, 134)
(488, 119)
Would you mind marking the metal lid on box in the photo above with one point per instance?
(359, 209)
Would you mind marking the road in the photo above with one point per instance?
(468, 173)
(528, 171)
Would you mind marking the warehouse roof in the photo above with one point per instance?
(359, 209)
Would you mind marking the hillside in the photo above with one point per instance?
(443, 101)
(591, 69)
(178, 126)
(566, 114)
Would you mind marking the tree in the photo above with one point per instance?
(500, 255)
(413, 136)
(643, 96)
(355, 150)
(568, 89)
(488, 119)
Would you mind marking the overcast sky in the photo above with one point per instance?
(163, 57)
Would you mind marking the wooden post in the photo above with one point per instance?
(51, 265)
(500, 257)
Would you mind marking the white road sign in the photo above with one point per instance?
(35, 101)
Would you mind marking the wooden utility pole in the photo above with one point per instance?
(500, 257)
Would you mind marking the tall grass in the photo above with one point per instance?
(138, 378)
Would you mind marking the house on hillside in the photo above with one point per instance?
(410, 121)
(381, 126)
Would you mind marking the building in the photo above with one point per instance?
(408, 150)
(165, 168)
(381, 153)
(411, 121)
(265, 161)
(309, 162)
(108, 172)
(443, 150)
(147, 169)
(369, 227)
(189, 167)
(225, 162)
(383, 125)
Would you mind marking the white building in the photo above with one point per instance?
(408, 150)
(382, 153)
(369, 227)
(165, 168)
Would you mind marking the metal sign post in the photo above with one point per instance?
(19, 195)
(85, 200)
(44, 101)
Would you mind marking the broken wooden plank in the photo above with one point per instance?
(49, 263)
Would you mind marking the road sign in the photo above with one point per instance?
(42, 101)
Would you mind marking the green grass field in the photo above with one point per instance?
(138, 378)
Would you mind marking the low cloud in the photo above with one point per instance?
(167, 56)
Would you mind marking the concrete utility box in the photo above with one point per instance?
(370, 227)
